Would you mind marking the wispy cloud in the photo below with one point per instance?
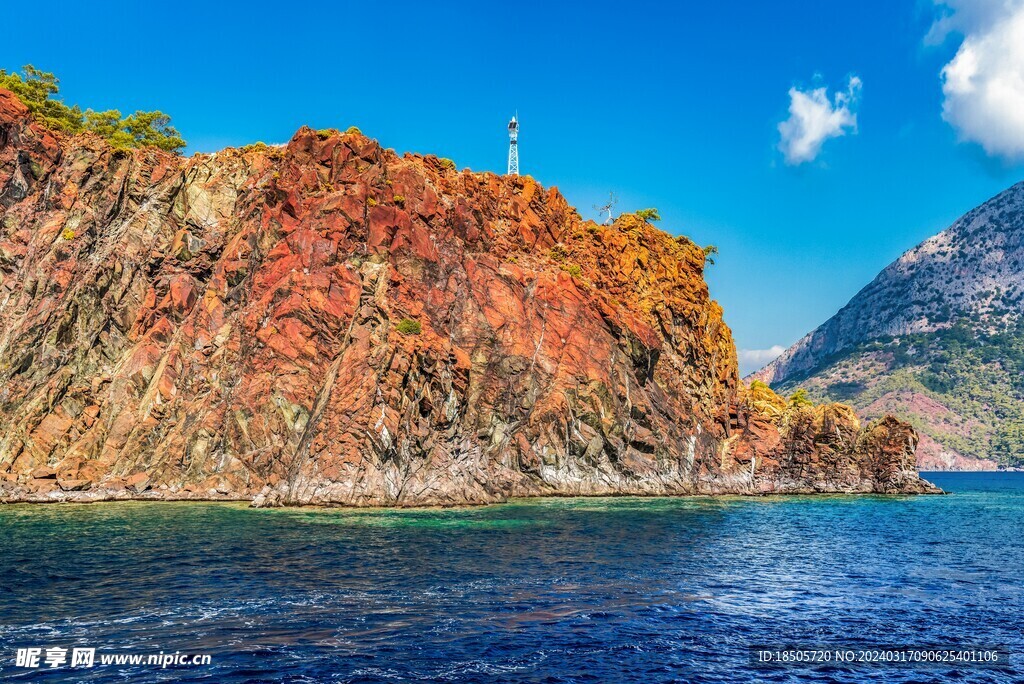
(814, 118)
(756, 359)
(983, 84)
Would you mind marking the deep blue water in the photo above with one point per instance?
(564, 590)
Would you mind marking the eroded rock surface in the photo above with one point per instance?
(329, 322)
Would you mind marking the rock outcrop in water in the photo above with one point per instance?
(329, 322)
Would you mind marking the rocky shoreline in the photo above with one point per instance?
(15, 497)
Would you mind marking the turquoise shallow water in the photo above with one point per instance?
(557, 590)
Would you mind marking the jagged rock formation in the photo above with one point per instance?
(935, 337)
(329, 322)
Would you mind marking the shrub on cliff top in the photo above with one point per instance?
(39, 89)
(408, 326)
(800, 398)
(447, 164)
(710, 252)
(649, 214)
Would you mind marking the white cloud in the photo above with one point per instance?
(984, 82)
(813, 119)
(756, 359)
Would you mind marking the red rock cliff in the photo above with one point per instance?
(329, 322)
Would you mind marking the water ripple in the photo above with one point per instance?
(546, 590)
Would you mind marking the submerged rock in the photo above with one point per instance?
(330, 323)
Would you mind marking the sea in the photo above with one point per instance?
(728, 589)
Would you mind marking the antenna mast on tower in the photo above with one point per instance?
(513, 147)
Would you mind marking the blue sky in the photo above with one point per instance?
(670, 105)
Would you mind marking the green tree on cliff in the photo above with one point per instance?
(141, 129)
(39, 89)
(152, 129)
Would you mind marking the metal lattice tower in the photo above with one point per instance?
(513, 147)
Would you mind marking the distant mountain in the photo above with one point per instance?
(937, 338)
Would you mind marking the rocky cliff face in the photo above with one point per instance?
(329, 322)
(937, 337)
